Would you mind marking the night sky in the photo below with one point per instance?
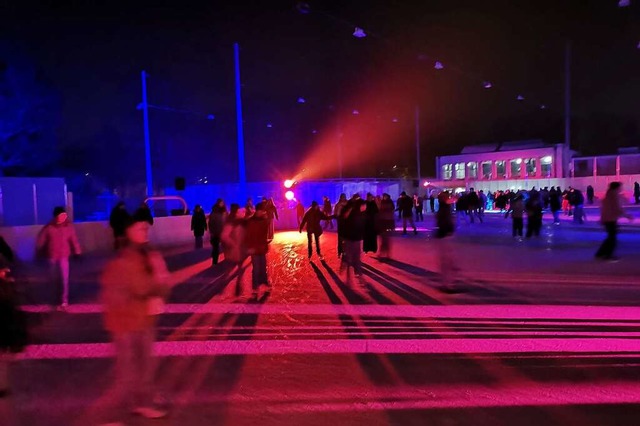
(91, 53)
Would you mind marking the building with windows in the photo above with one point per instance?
(533, 163)
(506, 161)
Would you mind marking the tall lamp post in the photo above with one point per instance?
(144, 106)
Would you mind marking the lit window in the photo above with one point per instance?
(530, 164)
(546, 166)
(459, 170)
(447, 170)
(486, 170)
(516, 168)
(501, 168)
(472, 169)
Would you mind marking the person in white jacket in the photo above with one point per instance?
(611, 211)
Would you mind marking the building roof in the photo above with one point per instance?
(505, 146)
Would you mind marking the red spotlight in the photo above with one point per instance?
(289, 195)
(289, 183)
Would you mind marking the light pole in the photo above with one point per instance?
(242, 171)
(418, 144)
(144, 106)
(147, 144)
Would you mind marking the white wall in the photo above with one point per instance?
(96, 237)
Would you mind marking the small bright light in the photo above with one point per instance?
(289, 183)
(269, 125)
(547, 160)
(86, 174)
(438, 65)
(487, 85)
(289, 195)
(211, 117)
(355, 112)
(543, 106)
(359, 33)
(425, 184)
(301, 100)
(394, 119)
(519, 161)
(520, 98)
(395, 167)
(314, 131)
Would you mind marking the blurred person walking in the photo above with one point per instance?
(370, 237)
(217, 218)
(337, 211)
(57, 241)
(134, 286)
(272, 214)
(443, 234)
(386, 224)
(257, 244)
(353, 232)
(610, 212)
(235, 251)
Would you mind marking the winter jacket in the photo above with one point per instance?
(198, 223)
(131, 282)
(57, 241)
(216, 222)
(516, 208)
(405, 206)
(386, 218)
(611, 209)
(353, 220)
(312, 219)
(444, 221)
(13, 321)
(232, 238)
(256, 236)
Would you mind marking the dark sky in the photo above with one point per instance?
(93, 52)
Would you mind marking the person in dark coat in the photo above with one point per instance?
(533, 208)
(444, 232)
(5, 251)
(590, 194)
(311, 220)
(386, 223)
(405, 207)
(118, 222)
(217, 218)
(144, 213)
(198, 225)
(13, 328)
(370, 237)
(352, 235)
(555, 204)
(636, 192)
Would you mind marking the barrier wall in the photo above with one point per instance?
(97, 237)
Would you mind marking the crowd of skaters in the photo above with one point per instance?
(132, 305)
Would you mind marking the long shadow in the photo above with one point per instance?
(412, 269)
(219, 374)
(203, 286)
(403, 290)
(352, 296)
(187, 258)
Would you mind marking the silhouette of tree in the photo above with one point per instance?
(28, 115)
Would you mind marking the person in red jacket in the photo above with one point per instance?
(257, 244)
(57, 241)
